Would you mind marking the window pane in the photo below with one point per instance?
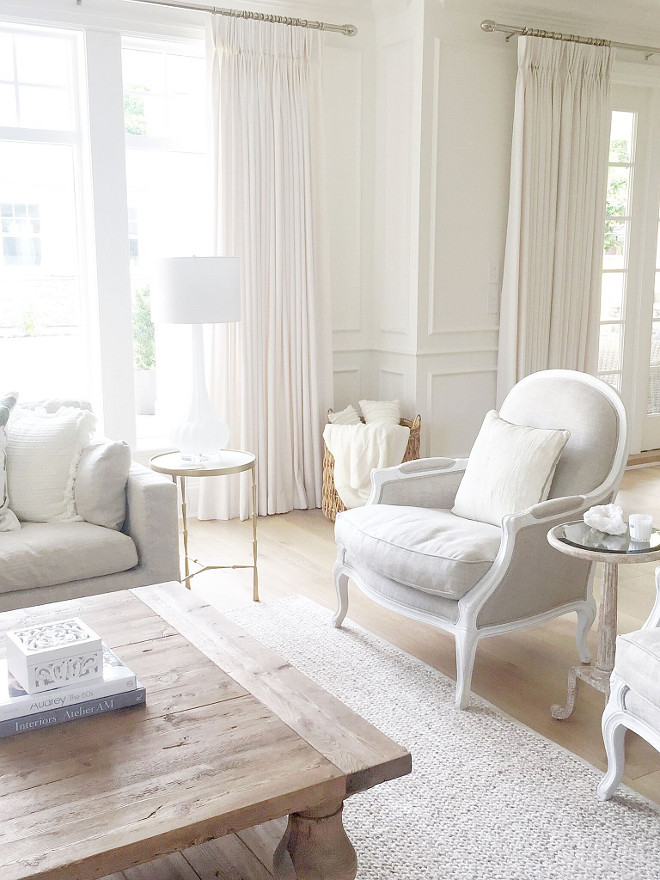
(653, 404)
(7, 105)
(611, 303)
(621, 136)
(6, 57)
(615, 244)
(613, 379)
(44, 108)
(41, 309)
(609, 349)
(42, 60)
(618, 180)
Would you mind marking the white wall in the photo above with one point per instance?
(425, 331)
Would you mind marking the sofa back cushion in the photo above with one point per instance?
(100, 486)
(8, 520)
(43, 452)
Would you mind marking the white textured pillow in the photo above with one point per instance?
(43, 451)
(383, 412)
(8, 520)
(346, 416)
(509, 469)
(100, 487)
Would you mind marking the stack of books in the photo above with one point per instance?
(74, 675)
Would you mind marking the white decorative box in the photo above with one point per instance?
(52, 655)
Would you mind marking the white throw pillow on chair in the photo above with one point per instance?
(509, 469)
(346, 416)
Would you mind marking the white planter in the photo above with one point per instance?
(145, 392)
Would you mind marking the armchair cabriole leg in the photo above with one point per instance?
(466, 648)
(585, 619)
(614, 734)
(341, 585)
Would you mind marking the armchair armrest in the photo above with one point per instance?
(152, 521)
(424, 482)
(558, 507)
(653, 619)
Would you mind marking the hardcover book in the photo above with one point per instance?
(16, 703)
(27, 723)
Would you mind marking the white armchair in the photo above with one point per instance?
(634, 700)
(409, 552)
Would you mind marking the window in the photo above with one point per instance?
(79, 226)
(169, 207)
(43, 308)
(616, 247)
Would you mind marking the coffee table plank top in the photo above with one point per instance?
(363, 752)
(206, 756)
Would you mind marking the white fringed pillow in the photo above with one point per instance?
(509, 469)
(8, 520)
(382, 412)
(346, 416)
(43, 451)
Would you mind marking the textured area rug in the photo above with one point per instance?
(487, 798)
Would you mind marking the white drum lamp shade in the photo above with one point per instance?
(197, 291)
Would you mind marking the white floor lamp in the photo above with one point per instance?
(197, 291)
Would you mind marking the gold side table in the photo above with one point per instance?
(229, 461)
(579, 540)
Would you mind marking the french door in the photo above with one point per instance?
(629, 350)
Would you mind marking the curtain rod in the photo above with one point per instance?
(490, 26)
(348, 29)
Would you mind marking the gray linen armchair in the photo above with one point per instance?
(408, 551)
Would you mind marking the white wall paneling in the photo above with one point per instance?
(457, 401)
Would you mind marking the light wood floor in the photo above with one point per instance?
(522, 673)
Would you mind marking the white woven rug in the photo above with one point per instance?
(488, 799)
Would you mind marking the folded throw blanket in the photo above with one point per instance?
(357, 450)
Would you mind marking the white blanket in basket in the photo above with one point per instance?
(357, 450)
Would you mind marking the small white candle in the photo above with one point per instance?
(640, 525)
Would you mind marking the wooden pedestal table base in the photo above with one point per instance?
(597, 676)
(578, 539)
(318, 845)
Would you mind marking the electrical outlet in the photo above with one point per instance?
(493, 301)
(493, 273)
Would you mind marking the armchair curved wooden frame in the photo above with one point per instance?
(529, 582)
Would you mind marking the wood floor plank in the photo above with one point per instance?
(172, 867)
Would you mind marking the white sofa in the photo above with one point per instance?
(127, 537)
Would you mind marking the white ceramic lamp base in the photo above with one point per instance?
(201, 435)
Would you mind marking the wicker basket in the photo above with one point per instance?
(331, 503)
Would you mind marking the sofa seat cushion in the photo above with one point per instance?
(638, 663)
(44, 554)
(431, 550)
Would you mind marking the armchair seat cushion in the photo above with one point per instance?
(638, 663)
(44, 554)
(428, 549)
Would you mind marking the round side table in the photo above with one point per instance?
(579, 539)
(229, 461)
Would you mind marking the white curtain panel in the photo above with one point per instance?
(269, 372)
(551, 282)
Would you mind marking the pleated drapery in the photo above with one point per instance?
(269, 371)
(549, 316)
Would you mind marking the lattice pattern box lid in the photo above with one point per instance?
(52, 655)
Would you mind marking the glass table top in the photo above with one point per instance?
(579, 534)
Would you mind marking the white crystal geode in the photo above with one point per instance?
(606, 518)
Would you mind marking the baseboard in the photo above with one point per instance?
(648, 457)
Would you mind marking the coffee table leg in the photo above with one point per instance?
(318, 845)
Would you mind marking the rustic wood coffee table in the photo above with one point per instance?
(231, 737)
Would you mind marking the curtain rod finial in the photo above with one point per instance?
(488, 25)
(350, 30)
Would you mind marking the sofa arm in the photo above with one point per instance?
(424, 482)
(152, 521)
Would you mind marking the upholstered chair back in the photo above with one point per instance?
(552, 401)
